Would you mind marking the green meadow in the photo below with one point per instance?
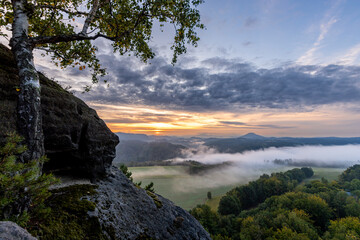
(174, 183)
(186, 191)
(328, 173)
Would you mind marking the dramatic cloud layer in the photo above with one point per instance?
(305, 83)
(218, 84)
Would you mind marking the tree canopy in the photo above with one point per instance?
(312, 210)
(65, 29)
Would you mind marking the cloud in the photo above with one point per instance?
(308, 57)
(233, 123)
(250, 165)
(254, 126)
(350, 57)
(328, 21)
(339, 156)
(250, 22)
(223, 84)
(247, 43)
(123, 120)
(273, 126)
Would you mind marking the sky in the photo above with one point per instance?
(273, 67)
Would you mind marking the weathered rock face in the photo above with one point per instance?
(76, 139)
(128, 212)
(11, 231)
(78, 143)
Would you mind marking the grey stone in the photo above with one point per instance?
(12, 231)
(128, 212)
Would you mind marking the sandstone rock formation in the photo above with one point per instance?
(128, 212)
(79, 144)
(77, 141)
(12, 231)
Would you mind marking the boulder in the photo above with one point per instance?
(12, 231)
(77, 141)
(126, 211)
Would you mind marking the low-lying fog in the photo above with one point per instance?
(250, 165)
(320, 156)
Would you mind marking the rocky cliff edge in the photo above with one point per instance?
(79, 144)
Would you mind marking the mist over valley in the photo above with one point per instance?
(188, 168)
(141, 149)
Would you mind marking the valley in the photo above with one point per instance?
(187, 191)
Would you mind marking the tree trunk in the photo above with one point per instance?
(29, 108)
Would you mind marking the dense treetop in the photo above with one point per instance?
(64, 29)
(315, 210)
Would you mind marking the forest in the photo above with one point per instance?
(282, 206)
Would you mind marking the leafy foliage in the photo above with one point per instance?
(350, 174)
(345, 228)
(316, 210)
(21, 185)
(65, 29)
(256, 192)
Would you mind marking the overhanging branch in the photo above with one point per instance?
(62, 9)
(67, 38)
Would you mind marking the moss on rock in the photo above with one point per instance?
(69, 217)
(156, 200)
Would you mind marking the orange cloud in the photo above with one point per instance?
(139, 119)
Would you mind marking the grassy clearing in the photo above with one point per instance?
(328, 173)
(174, 183)
(187, 191)
(214, 202)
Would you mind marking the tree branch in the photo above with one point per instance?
(66, 38)
(90, 17)
(52, 51)
(63, 10)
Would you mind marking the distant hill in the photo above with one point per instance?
(130, 136)
(154, 138)
(138, 148)
(140, 151)
(255, 142)
(253, 136)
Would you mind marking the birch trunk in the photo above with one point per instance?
(29, 108)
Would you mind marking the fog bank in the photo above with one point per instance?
(250, 165)
(321, 156)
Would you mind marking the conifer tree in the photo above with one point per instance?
(22, 190)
